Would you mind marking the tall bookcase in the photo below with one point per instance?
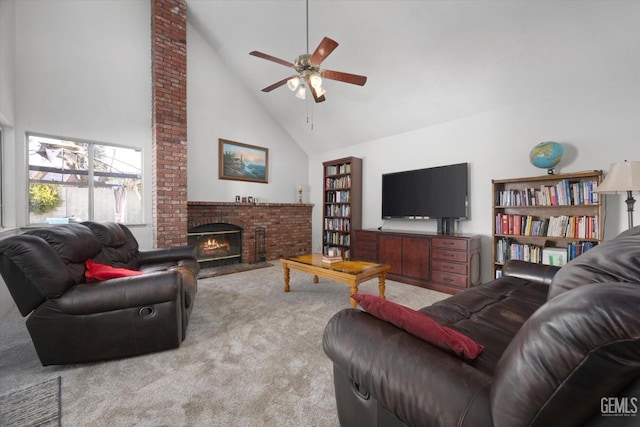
(547, 219)
(342, 204)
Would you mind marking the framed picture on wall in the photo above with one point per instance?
(242, 162)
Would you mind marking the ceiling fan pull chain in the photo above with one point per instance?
(310, 114)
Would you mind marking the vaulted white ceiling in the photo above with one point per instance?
(427, 62)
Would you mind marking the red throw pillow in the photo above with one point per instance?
(96, 272)
(420, 325)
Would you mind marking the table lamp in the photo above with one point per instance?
(622, 177)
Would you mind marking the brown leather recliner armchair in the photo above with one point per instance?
(561, 348)
(73, 321)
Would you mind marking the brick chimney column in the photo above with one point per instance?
(169, 122)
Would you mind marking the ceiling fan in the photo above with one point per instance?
(309, 73)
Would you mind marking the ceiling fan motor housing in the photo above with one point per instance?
(302, 64)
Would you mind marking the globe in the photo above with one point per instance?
(546, 155)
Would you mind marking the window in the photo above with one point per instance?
(72, 181)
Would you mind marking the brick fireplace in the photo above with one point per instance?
(285, 227)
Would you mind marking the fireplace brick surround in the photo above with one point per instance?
(288, 226)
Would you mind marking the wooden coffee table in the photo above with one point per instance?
(351, 272)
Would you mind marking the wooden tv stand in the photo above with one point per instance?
(445, 263)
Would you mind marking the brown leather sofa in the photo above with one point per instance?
(72, 320)
(561, 348)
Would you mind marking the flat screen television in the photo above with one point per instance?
(430, 193)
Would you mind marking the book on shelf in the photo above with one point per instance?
(577, 248)
(554, 256)
(331, 259)
(564, 193)
(506, 250)
(339, 169)
(582, 227)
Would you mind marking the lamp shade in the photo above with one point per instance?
(293, 83)
(316, 81)
(622, 176)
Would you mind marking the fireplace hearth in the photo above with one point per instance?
(216, 244)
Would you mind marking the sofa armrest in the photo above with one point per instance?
(414, 380)
(530, 271)
(121, 293)
(160, 255)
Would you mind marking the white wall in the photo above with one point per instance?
(7, 56)
(7, 59)
(83, 70)
(218, 106)
(597, 125)
(7, 104)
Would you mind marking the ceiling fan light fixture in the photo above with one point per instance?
(293, 83)
(301, 92)
(307, 66)
(316, 81)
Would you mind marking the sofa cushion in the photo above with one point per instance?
(420, 325)
(615, 260)
(119, 247)
(74, 243)
(491, 314)
(581, 346)
(109, 233)
(96, 272)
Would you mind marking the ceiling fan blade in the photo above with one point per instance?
(344, 77)
(317, 98)
(315, 95)
(271, 58)
(323, 50)
(277, 84)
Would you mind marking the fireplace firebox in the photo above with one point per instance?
(216, 244)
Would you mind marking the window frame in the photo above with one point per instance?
(2, 169)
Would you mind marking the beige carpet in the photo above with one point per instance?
(252, 357)
(34, 405)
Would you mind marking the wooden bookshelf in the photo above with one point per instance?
(342, 204)
(548, 211)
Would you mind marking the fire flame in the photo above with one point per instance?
(213, 244)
